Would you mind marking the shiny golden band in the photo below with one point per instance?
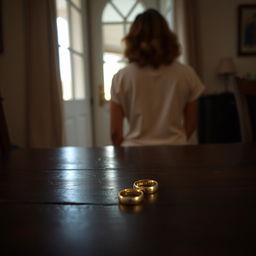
(130, 196)
(147, 186)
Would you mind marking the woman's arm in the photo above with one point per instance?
(116, 123)
(190, 118)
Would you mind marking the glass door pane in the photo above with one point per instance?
(64, 44)
(65, 73)
(116, 19)
(138, 9)
(79, 81)
(112, 63)
(76, 28)
(112, 37)
(124, 6)
(111, 15)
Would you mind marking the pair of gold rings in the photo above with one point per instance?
(135, 195)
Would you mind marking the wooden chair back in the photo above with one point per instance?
(243, 90)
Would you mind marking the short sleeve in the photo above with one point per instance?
(115, 89)
(196, 87)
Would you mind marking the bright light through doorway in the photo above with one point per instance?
(112, 63)
(117, 18)
(64, 58)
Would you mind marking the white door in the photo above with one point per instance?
(109, 22)
(73, 53)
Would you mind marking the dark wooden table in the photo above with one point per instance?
(64, 201)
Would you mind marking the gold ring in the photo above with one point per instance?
(130, 196)
(147, 186)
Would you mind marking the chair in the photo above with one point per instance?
(244, 89)
(5, 144)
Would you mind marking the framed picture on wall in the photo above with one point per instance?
(247, 29)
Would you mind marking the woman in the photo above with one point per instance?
(157, 94)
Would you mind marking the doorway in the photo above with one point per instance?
(100, 26)
(109, 22)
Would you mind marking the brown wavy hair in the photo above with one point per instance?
(150, 42)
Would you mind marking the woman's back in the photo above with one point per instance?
(154, 92)
(153, 101)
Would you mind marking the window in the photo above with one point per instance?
(71, 49)
(116, 20)
(167, 11)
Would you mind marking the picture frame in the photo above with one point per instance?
(247, 30)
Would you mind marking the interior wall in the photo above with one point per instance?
(12, 74)
(218, 32)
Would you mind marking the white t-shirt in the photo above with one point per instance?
(153, 101)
